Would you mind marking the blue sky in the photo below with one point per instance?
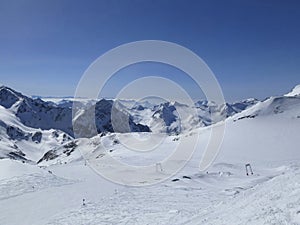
(253, 47)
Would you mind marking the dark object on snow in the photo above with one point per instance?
(83, 202)
(248, 169)
(175, 180)
(187, 177)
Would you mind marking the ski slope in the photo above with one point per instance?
(270, 196)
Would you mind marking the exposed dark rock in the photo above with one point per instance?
(16, 133)
(50, 155)
(17, 155)
(37, 137)
(69, 148)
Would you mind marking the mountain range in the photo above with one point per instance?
(32, 127)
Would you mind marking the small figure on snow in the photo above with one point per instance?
(83, 202)
(248, 169)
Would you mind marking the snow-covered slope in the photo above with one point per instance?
(288, 106)
(20, 142)
(224, 195)
(263, 134)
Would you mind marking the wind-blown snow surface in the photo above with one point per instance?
(265, 135)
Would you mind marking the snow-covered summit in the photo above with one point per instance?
(9, 97)
(294, 92)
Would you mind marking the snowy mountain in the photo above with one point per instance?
(102, 112)
(263, 134)
(27, 144)
(294, 92)
(287, 105)
(33, 120)
(221, 112)
(166, 117)
(29, 128)
(175, 118)
(35, 112)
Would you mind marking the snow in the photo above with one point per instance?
(271, 196)
(274, 201)
(11, 168)
(265, 135)
(53, 194)
(294, 92)
(22, 140)
(223, 196)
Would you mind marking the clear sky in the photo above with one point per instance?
(253, 47)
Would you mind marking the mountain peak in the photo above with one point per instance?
(3, 87)
(8, 96)
(294, 92)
